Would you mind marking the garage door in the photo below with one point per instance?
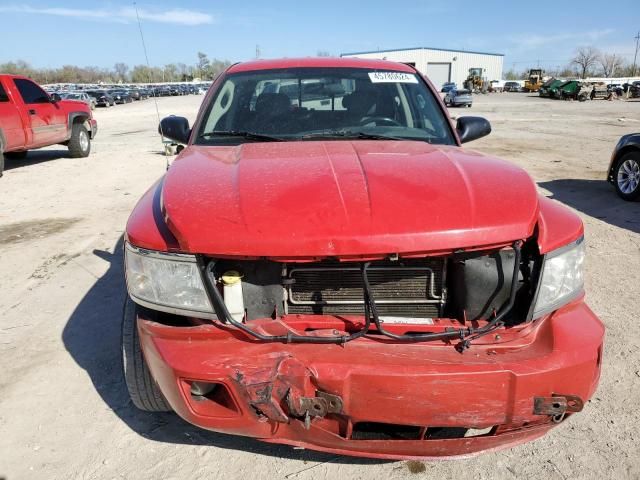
(439, 73)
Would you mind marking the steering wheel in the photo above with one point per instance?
(382, 121)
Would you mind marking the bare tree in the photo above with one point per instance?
(585, 58)
(171, 73)
(121, 70)
(203, 65)
(610, 62)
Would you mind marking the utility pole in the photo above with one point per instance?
(635, 58)
(257, 52)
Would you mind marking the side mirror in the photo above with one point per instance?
(472, 128)
(175, 128)
(55, 98)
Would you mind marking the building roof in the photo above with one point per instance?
(423, 48)
(319, 62)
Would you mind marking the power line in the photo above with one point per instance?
(153, 90)
(635, 57)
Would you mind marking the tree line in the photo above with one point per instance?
(203, 69)
(587, 62)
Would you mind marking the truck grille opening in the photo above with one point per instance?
(401, 289)
(466, 286)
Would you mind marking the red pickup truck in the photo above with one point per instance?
(325, 266)
(31, 118)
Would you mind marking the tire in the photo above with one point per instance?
(143, 389)
(582, 98)
(1, 161)
(80, 143)
(626, 176)
(16, 155)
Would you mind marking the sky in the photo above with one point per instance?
(52, 33)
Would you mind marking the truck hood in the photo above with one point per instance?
(344, 198)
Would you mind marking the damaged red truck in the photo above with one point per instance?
(324, 266)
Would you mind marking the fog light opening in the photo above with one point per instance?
(211, 399)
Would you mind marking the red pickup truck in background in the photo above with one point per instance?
(31, 118)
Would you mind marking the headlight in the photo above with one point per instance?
(166, 281)
(562, 278)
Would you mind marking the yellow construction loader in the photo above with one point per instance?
(534, 82)
(475, 81)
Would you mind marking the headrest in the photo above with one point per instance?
(359, 102)
(273, 104)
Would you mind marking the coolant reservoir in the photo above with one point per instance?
(232, 291)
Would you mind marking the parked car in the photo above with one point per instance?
(102, 97)
(175, 90)
(162, 91)
(121, 96)
(496, 86)
(81, 96)
(624, 167)
(134, 93)
(30, 118)
(458, 98)
(311, 309)
(447, 86)
(616, 88)
(512, 87)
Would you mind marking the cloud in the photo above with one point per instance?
(531, 41)
(178, 16)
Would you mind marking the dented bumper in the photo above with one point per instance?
(378, 398)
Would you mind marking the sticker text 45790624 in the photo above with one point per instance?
(392, 77)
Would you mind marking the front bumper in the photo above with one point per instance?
(460, 102)
(424, 385)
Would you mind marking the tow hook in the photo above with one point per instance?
(318, 406)
(556, 406)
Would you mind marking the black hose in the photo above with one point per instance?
(216, 300)
(370, 309)
(370, 305)
(464, 334)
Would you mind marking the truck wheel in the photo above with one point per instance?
(626, 176)
(1, 161)
(143, 389)
(79, 143)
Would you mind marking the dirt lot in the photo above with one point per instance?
(64, 411)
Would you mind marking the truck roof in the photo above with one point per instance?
(319, 62)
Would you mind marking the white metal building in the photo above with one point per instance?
(442, 65)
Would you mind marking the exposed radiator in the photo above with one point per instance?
(401, 289)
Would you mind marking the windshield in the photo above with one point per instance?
(312, 103)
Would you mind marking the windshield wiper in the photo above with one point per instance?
(350, 134)
(242, 134)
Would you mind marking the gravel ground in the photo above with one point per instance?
(64, 411)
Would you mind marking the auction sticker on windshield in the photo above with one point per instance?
(392, 77)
